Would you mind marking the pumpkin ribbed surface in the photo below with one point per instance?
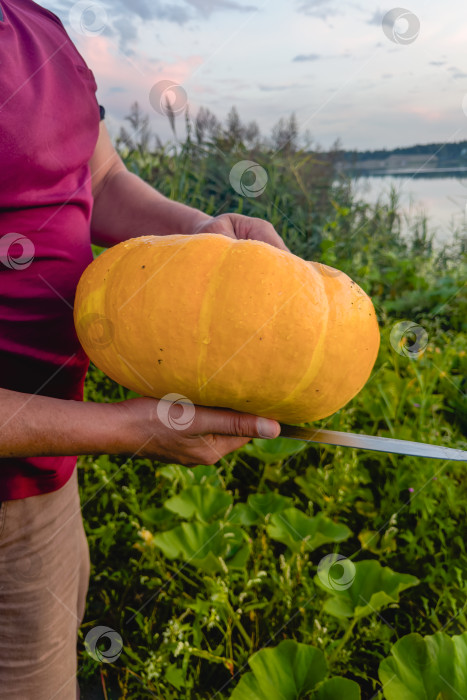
(228, 323)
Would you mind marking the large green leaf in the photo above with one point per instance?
(284, 672)
(361, 588)
(205, 502)
(201, 545)
(156, 516)
(271, 502)
(272, 451)
(259, 505)
(291, 671)
(242, 514)
(297, 530)
(426, 668)
(338, 689)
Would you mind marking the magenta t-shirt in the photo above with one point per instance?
(49, 124)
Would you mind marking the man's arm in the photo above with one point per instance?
(34, 426)
(125, 206)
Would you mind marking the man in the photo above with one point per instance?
(63, 185)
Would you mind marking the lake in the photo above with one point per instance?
(442, 199)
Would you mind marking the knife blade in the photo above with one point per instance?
(372, 442)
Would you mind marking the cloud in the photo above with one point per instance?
(126, 31)
(456, 72)
(124, 17)
(322, 9)
(273, 87)
(376, 19)
(307, 57)
(207, 7)
(437, 63)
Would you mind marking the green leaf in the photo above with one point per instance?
(426, 668)
(276, 450)
(201, 545)
(205, 502)
(202, 474)
(175, 676)
(264, 503)
(361, 588)
(338, 688)
(250, 689)
(242, 514)
(285, 672)
(155, 516)
(259, 505)
(297, 530)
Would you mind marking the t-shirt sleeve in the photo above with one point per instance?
(102, 111)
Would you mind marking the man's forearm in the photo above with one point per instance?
(35, 426)
(126, 207)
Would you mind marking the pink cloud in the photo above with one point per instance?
(427, 114)
(123, 79)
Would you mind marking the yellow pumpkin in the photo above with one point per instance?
(230, 323)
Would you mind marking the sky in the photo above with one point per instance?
(373, 76)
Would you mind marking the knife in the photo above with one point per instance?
(371, 442)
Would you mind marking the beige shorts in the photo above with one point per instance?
(44, 574)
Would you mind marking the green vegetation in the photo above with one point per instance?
(295, 570)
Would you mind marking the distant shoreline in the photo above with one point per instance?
(427, 160)
(400, 172)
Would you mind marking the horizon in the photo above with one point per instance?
(344, 73)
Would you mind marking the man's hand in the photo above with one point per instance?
(213, 433)
(240, 226)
